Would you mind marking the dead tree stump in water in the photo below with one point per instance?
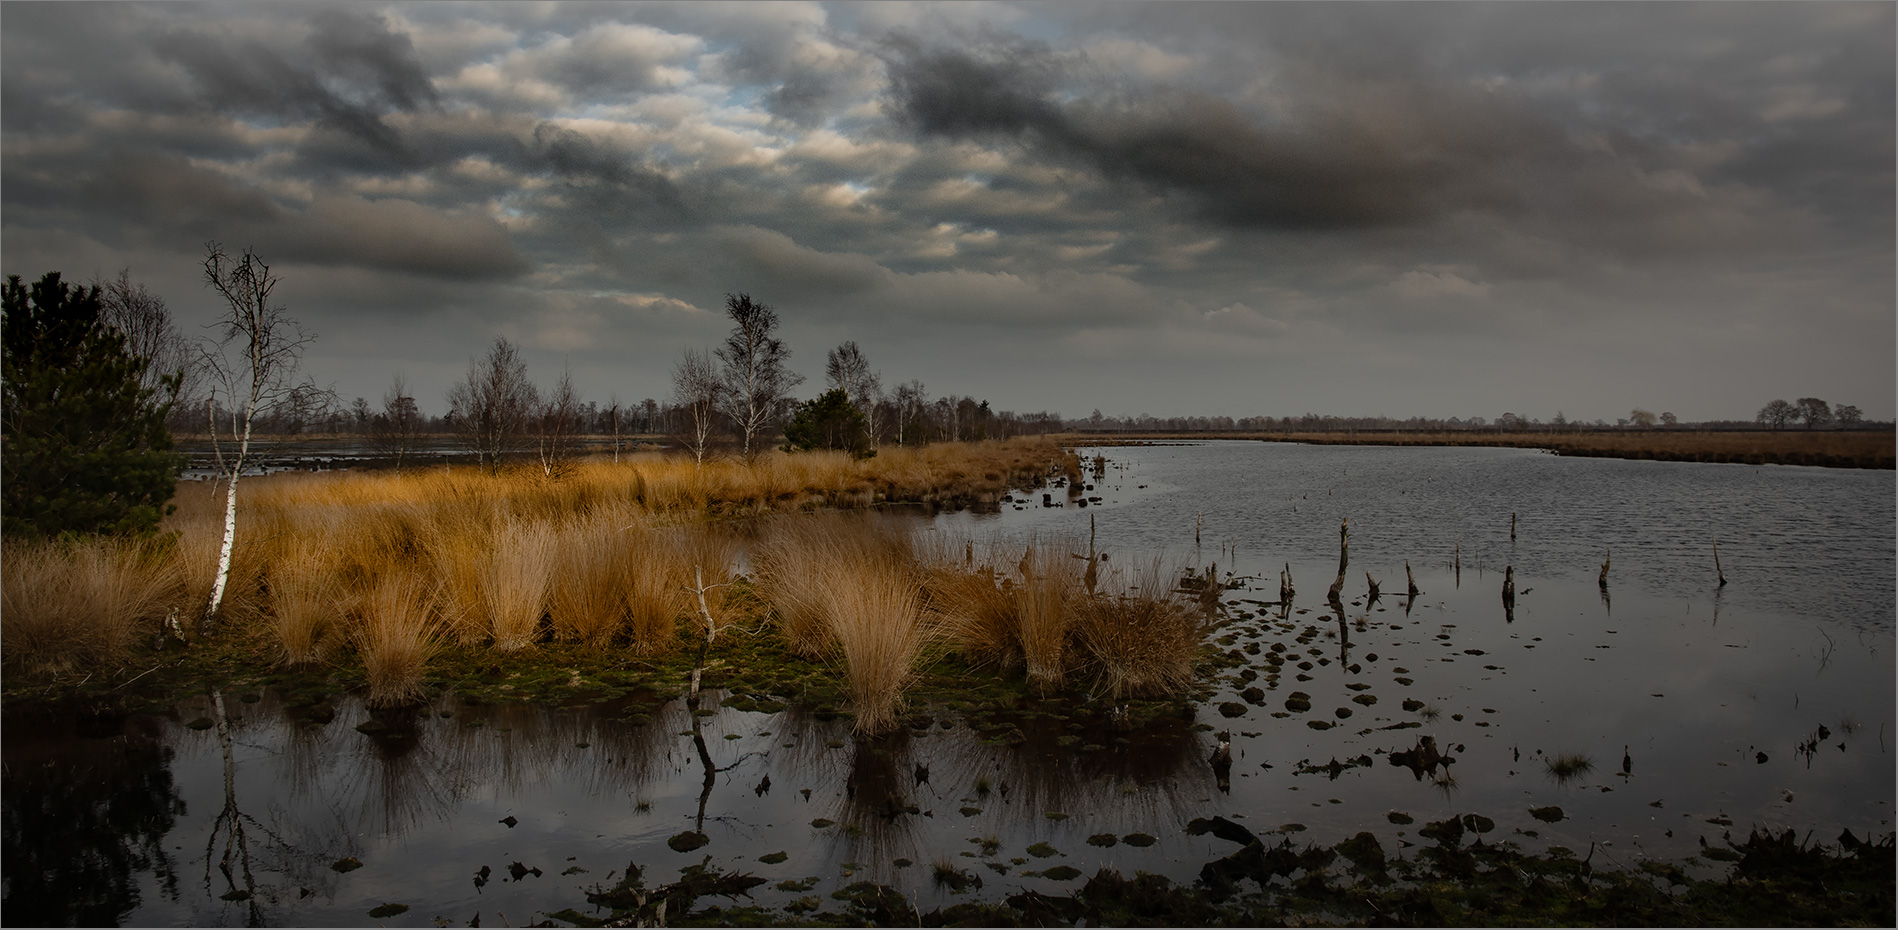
(1344, 559)
(1286, 588)
(1373, 584)
(1716, 562)
(1607, 556)
(1512, 526)
(1509, 586)
(1410, 581)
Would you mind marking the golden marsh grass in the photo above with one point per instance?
(397, 634)
(65, 605)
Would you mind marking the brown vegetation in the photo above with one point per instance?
(1134, 636)
(385, 568)
(396, 637)
(85, 603)
(1829, 448)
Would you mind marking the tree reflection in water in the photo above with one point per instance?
(86, 806)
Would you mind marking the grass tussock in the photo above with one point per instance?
(1001, 616)
(308, 601)
(1143, 641)
(587, 602)
(514, 581)
(657, 571)
(799, 562)
(849, 588)
(1047, 587)
(1133, 635)
(874, 614)
(397, 634)
(67, 605)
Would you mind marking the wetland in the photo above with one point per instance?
(1593, 753)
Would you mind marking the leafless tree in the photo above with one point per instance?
(756, 379)
(492, 407)
(911, 399)
(145, 321)
(697, 395)
(1669, 419)
(557, 428)
(615, 416)
(360, 415)
(1847, 416)
(251, 372)
(397, 430)
(1642, 419)
(1813, 412)
(846, 369)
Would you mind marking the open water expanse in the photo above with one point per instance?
(1767, 702)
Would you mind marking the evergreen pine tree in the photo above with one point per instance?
(85, 447)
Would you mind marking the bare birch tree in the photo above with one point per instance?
(252, 373)
(697, 395)
(756, 379)
(846, 369)
(492, 406)
(557, 428)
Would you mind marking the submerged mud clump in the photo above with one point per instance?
(1776, 881)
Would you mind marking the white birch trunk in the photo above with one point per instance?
(230, 523)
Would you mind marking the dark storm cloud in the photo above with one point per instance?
(1227, 189)
(155, 200)
(349, 72)
(1378, 156)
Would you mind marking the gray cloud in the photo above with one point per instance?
(348, 73)
(1137, 206)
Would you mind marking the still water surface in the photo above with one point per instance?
(128, 820)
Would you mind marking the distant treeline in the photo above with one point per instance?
(1507, 423)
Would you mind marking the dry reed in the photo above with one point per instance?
(796, 561)
(1141, 643)
(873, 611)
(398, 634)
(308, 600)
(848, 586)
(588, 597)
(657, 572)
(996, 616)
(514, 578)
(68, 604)
(1049, 581)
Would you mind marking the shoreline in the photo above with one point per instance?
(1829, 449)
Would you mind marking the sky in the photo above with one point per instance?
(1359, 209)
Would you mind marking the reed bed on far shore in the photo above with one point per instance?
(1828, 448)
